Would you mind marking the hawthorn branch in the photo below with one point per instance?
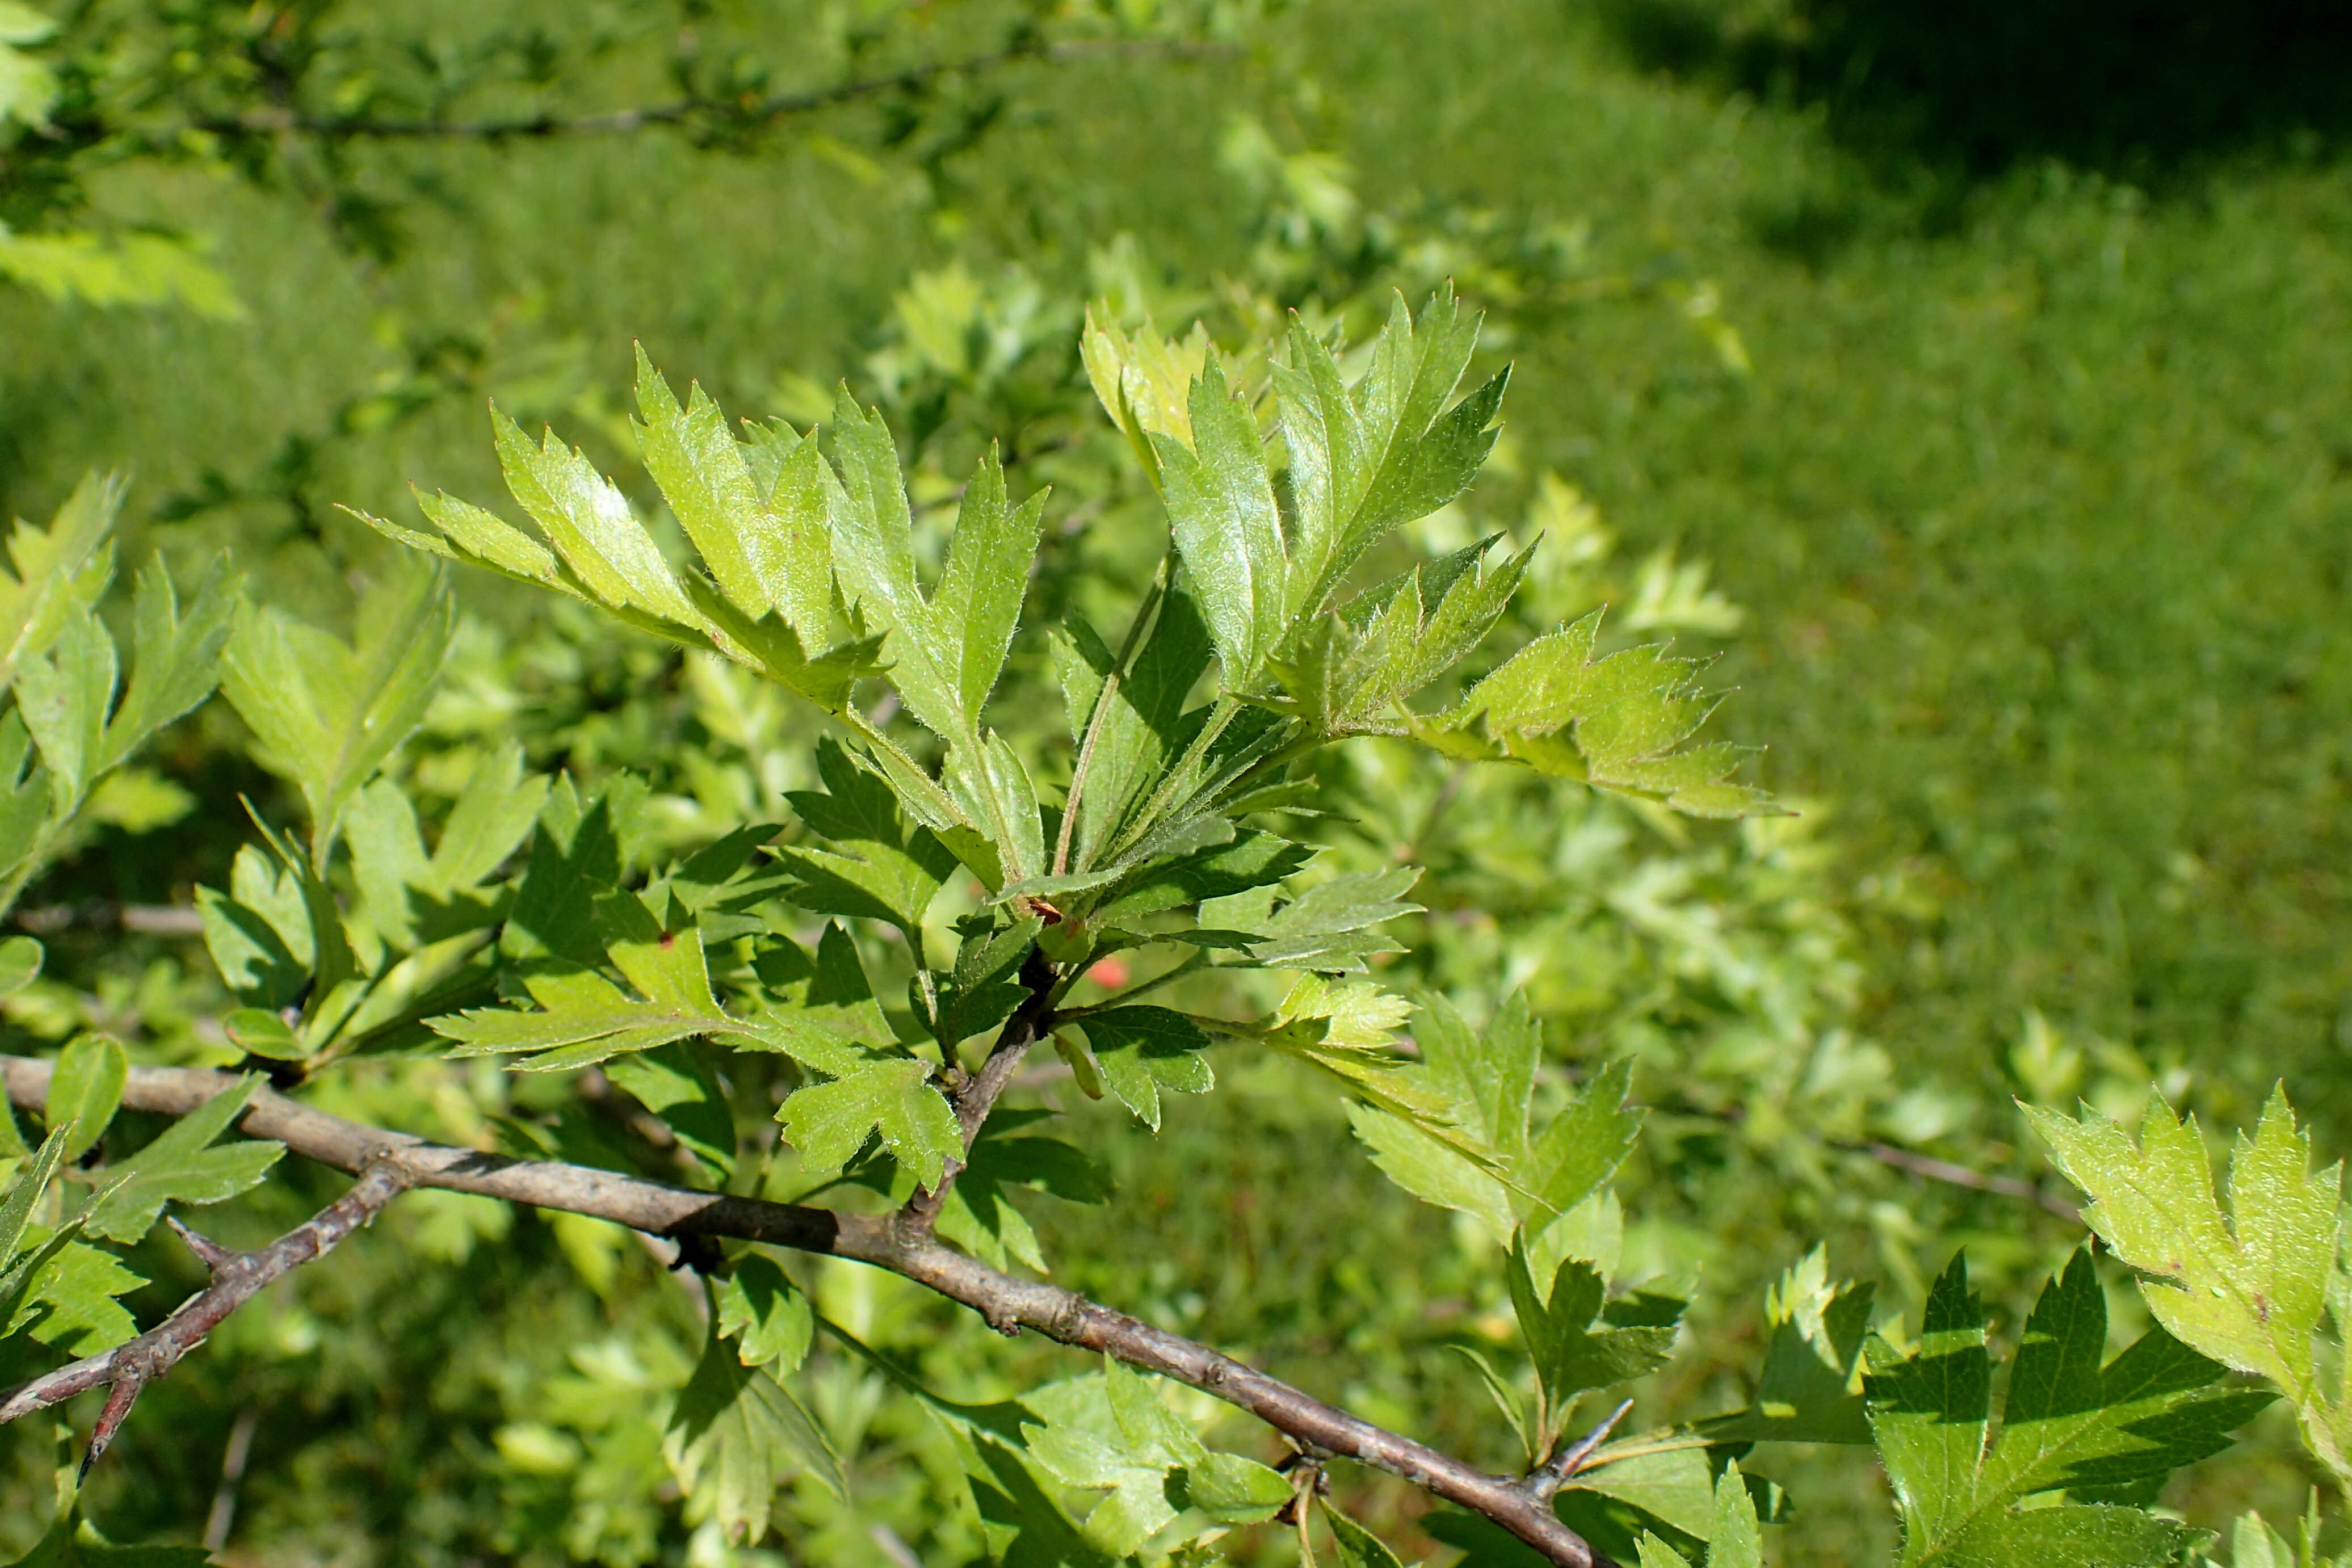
(737, 115)
(977, 1095)
(1008, 1304)
(237, 1277)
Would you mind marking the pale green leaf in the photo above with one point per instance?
(1358, 1547)
(829, 1123)
(58, 569)
(181, 1166)
(2246, 1287)
(767, 1317)
(1621, 721)
(1227, 529)
(20, 964)
(328, 713)
(1141, 1050)
(737, 1434)
(85, 1090)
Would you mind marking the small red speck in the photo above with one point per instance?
(1110, 974)
(669, 939)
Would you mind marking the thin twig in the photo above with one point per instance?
(1934, 1169)
(977, 1095)
(223, 1517)
(237, 1277)
(1553, 1474)
(1008, 1304)
(282, 121)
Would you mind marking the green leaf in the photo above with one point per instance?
(979, 1215)
(1662, 1477)
(60, 570)
(70, 1299)
(2095, 1433)
(2247, 1288)
(1571, 1351)
(1618, 723)
(759, 560)
(1141, 1050)
(1112, 1434)
(829, 1123)
(1811, 1388)
(1368, 457)
(1227, 529)
(258, 932)
(1144, 381)
(681, 1088)
(175, 658)
(1144, 726)
(64, 695)
(766, 1316)
(1736, 1540)
(259, 1032)
(879, 865)
(32, 1181)
(1232, 1490)
(822, 1011)
(1344, 673)
(1358, 1547)
(85, 1090)
(1252, 860)
(181, 1166)
(328, 713)
(1329, 927)
(735, 1435)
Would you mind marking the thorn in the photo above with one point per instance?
(1548, 1476)
(119, 1400)
(214, 1256)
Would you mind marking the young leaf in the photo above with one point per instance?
(1366, 457)
(2247, 1288)
(880, 866)
(328, 714)
(1358, 1547)
(1141, 1050)
(64, 695)
(85, 1089)
(1616, 723)
(2102, 1434)
(1112, 1434)
(181, 1166)
(1329, 927)
(1566, 1339)
(1227, 529)
(1810, 1387)
(736, 1433)
(58, 569)
(766, 1316)
(175, 658)
(891, 1096)
(17, 1212)
(258, 932)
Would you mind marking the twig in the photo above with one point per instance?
(1552, 1475)
(1006, 1303)
(1934, 1169)
(280, 122)
(237, 1277)
(223, 1517)
(977, 1095)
